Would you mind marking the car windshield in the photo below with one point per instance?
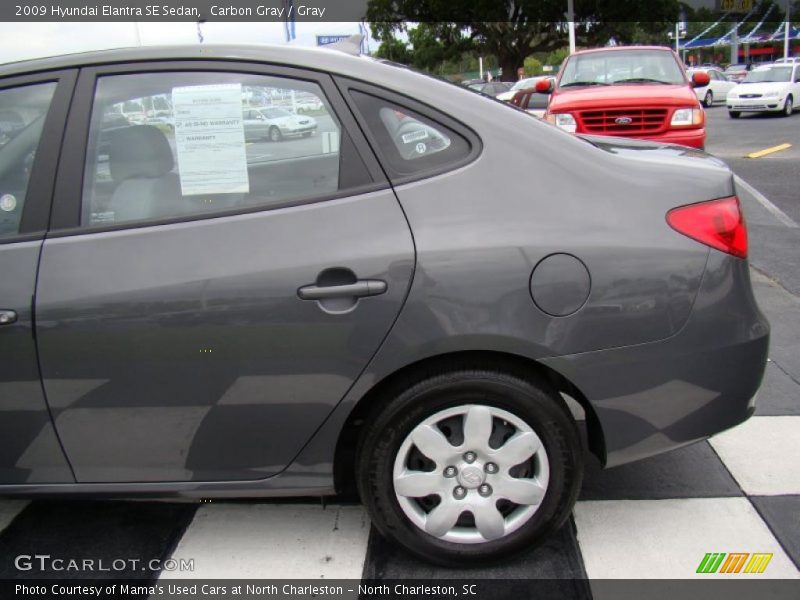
(614, 67)
(769, 74)
(736, 68)
(524, 84)
(275, 113)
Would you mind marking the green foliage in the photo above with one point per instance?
(511, 30)
(532, 66)
(393, 49)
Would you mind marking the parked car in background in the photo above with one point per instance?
(187, 318)
(633, 91)
(790, 60)
(769, 88)
(717, 89)
(522, 84)
(491, 88)
(736, 72)
(275, 123)
(531, 101)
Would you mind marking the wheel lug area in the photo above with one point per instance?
(459, 492)
(485, 490)
(490, 468)
(469, 457)
(450, 471)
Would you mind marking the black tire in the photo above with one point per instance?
(529, 399)
(787, 107)
(734, 114)
(708, 101)
(274, 134)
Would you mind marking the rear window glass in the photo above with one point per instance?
(409, 142)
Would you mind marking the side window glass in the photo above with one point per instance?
(180, 144)
(22, 114)
(409, 142)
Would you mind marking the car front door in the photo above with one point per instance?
(33, 110)
(203, 303)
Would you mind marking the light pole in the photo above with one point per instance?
(571, 25)
(786, 27)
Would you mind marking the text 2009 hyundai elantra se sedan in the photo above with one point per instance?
(187, 312)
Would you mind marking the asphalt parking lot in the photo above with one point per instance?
(739, 492)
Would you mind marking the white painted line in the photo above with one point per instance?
(762, 199)
(667, 539)
(278, 541)
(10, 509)
(761, 454)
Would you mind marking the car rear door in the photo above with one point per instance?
(204, 302)
(34, 109)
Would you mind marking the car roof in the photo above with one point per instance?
(304, 57)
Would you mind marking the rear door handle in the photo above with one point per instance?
(359, 289)
(7, 317)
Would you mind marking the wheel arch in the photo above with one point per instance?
(382, 392)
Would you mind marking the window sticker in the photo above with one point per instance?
(420, 134)
(209, 139)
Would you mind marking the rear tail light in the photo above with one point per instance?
(716, 223)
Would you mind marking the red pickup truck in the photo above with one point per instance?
(633, 91)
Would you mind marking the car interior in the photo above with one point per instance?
(133, 170)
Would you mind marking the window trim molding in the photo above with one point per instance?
(346, 84)
(66, 211)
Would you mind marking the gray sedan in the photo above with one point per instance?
(186, 314)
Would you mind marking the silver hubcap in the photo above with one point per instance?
(481, 487)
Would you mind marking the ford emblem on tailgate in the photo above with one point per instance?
(623, 120)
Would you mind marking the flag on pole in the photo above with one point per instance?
(288, 22)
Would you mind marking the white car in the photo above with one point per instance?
(275, 123)
(717, 88)
(772, 88)
(522, 84)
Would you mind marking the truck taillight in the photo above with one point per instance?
(716, 223)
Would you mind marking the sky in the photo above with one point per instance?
(21, 41)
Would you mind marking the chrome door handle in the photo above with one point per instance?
(359, 289)
(7, 317)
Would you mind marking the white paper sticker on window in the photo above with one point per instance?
(419, 134)
(209, 138)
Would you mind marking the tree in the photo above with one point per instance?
(393, 49)
(512, 30)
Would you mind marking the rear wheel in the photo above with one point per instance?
(734, 114)
(708, 101)
(470, 466)
(787, 107)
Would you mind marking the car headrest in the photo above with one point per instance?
(139, 151)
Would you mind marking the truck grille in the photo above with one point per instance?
(641, 120)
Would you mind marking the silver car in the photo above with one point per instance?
(275, 123)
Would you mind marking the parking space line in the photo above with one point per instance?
(767, 151)
(764, 201)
